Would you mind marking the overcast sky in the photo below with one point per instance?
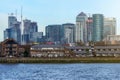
(46, 12)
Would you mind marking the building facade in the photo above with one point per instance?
(89, 29)
(54, 33)
(11, 20)
(68, 32)
(81, 28)
(50, 51)
(112, 39)
(29, 29)
(109, 27)
(10, 48)
(13, 31)
(36, 36)
(98, 23)
(85, 51)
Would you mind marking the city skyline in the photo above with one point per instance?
(50, 12)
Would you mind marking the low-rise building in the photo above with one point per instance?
(81, 51)
(50, 51)
(112, 39)
(84, 51)
(9, 48)
(107, 50)
(21, 50)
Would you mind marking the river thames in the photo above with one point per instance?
(60, 71)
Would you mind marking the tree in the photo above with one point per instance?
(26, 54)
(94, 54)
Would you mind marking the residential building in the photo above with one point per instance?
(85, 51)
(50, 51)
(10, 48)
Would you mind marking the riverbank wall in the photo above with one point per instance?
(62, 60)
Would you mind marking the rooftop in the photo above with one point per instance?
(82, 14)
(46, 46)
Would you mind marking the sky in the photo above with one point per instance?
(47, 12)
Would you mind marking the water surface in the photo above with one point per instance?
(59, 71)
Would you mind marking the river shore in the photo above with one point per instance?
(62, 60)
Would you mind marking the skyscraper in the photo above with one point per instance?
(11, 20)
(33, 29)
(13, 31)
(98, 23)
(26, 25)
(36, 36)
(109, 27)
(68, 32)
(81, 28)
(53, 33)
(17, 32)
(25, 35)
(28, 31)
(89, 29)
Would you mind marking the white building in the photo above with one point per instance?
(112, 39)
(81, 28)
(109, 27)
(68, 29)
